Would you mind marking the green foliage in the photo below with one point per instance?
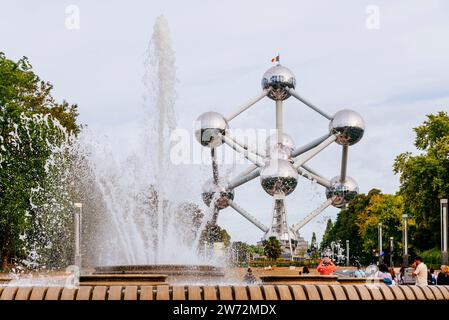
(328, 235)
(240, 251)
(31, 147)
(256, 250)
(22, 88)
(431, 257)
(272, 248)
(214, 233)
(358, 224)
(424, 179)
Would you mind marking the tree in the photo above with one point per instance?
(272, 248)
(386, 209)
(214, 233)
(34, 131)
(328, 235)
(313, 244)
(424, 179)
(358, 223)
(240, 251)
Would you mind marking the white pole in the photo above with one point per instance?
(380, 242)
(344, 164)
(247, 105)
(391, 251)
(347, 253)
(309, 104)
(444, 254)
(315, 151)
(405, 238)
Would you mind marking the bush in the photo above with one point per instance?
(432, 258)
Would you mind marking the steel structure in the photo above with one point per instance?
(281, 164)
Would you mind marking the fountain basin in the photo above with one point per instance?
(159, 273)
(298, 279)
(123, 279)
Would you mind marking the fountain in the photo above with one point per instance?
(151, 235)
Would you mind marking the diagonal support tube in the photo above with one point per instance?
(246, 153)
(243, 179)
(248, 170)
(312, 215)
(248, 105)
(310, 145)
(245, 147)
(315, 151)
(313, 176)
(344, 163)
(248, 216)
(309, 104)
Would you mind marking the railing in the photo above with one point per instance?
(224, 292)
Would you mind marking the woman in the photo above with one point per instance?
(443, 276)
(326, 267)
(400, 279)
(384, 274)
(393, 274)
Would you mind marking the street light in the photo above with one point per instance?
(443, 207)
(78, 217)
(379, 227)
(405, 239)
(347, 253)
(391, 251)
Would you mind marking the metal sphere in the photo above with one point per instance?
(343, 192)
(219, 192)
(279, 177)
(209, 128)
(349, 127)
(279, 78)
(284, 151)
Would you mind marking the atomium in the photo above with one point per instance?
(279, 79)
(210, 127)
(219, 192)
(281, 164)
(342, 193)
(349, 127)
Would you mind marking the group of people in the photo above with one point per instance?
(423, 276)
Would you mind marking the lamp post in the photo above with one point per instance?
(391, 251)
(405, 239)
(443, 207)
(379, 228)
(78, 217)
(347, 253)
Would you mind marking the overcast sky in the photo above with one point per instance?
(393, 71)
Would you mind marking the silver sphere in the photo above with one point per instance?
(219, 192)
(284, 151)
(349, 127)
(209, 128)
(278, 177)
(343, 192)
(279, 78)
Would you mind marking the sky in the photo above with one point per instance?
(387, 60)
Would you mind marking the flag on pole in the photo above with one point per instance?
(275, 59)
